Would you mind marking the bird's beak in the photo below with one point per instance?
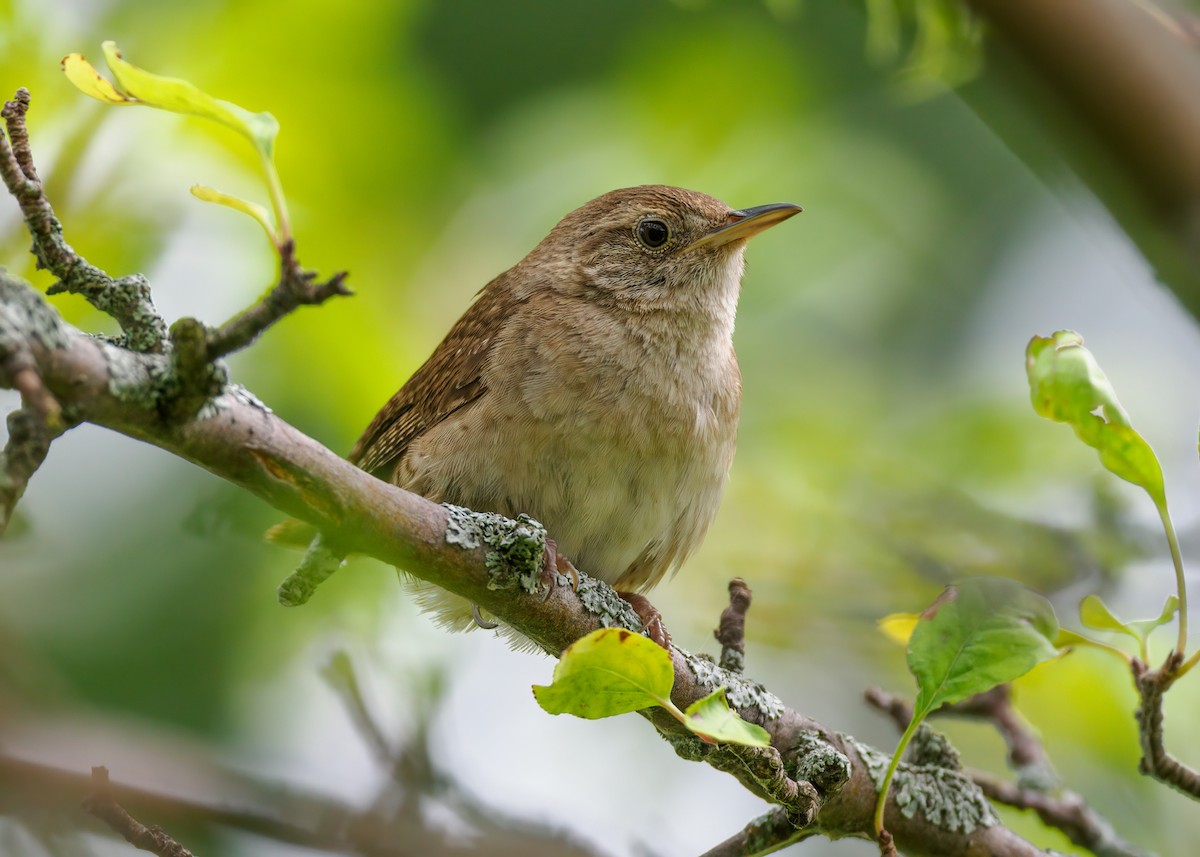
(747, 222)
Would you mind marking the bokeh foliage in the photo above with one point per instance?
(886, 449)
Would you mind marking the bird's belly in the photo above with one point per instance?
(625, 503)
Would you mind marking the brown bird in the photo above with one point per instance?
(592, 386)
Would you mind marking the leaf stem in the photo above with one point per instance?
(1177, 560)
(1191, 662)
(283, 226)
(881, 802)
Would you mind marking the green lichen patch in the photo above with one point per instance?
(687, 746)
(739, 690)
(517, 548)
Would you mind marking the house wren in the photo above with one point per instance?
(592, 386)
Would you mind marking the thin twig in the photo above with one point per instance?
(26, 449)
(101, 804)
(126, 299)
(296, 287)
(731, 632)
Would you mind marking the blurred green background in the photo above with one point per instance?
(887, 445)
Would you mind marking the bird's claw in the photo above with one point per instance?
(554, 565)
(652, 622)
(480, 621)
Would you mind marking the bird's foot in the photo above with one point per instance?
(652, 622)
(555, 565)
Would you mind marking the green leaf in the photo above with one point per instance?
(611, 671)
(979, 633)
(1094, 614)
(713, 720)
(1067, 385)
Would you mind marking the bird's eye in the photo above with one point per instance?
(653, 233)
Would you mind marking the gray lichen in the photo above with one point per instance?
(517, 548)
(135, 379)
(942, 796)
(930, 747)
(235, 393)
(815, 760)
(24, 313)
(602, 601)
(739, 690)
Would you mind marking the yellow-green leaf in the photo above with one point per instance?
(608, 672)
(90, 82)
(713, 720)
(137, 86)
(1094, 614)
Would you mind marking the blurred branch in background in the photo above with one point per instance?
(1127, 72)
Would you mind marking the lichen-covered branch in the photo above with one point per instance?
(240, 440)
(1156, 762)
(1064, 810)
(1037, 786)
(126, 299)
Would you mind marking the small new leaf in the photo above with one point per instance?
(713, 720)
(138, 86)
(1067, 385)
(251, 209)
(135, 85)
(611, 671)
(1095, 614)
